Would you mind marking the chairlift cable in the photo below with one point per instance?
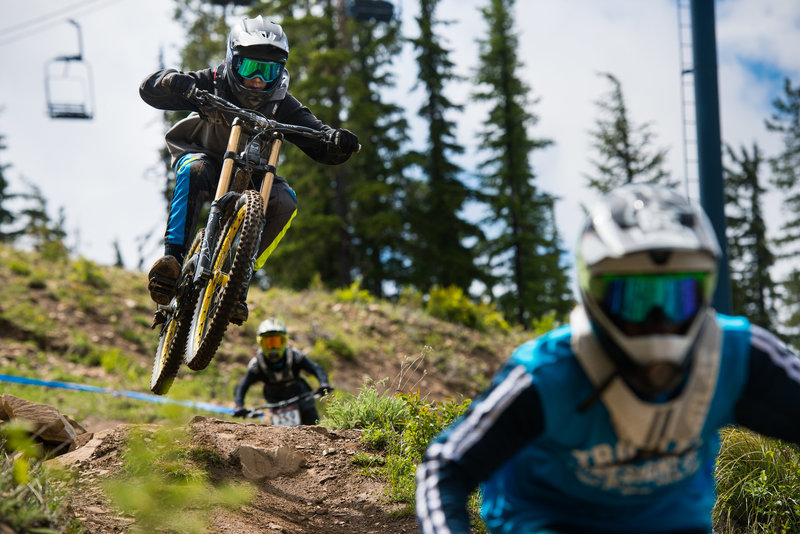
(23, 25)
(80, 6)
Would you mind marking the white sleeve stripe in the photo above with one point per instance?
(429, 501)
(780, 355)
(475, 426)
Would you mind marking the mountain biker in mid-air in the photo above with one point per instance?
(279, 366)
(609, 424)
(253, 76)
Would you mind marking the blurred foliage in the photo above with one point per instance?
(165, 485)
(33, 496)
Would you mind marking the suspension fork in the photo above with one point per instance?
(272, 168)
(203, 271)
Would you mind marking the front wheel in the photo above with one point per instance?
(231, 269)
(172, 341)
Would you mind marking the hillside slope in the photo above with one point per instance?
(77, 321)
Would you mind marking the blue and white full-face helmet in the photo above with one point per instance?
(647, 266)
(256, 48)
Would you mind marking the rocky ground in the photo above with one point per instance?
(304, 479)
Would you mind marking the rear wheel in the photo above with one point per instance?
(172, 341)
(232, 267)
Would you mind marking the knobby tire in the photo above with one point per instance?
(232, 266)
(172, 340)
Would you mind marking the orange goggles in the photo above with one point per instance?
(272, 341)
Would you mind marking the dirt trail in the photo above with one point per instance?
(304, 478)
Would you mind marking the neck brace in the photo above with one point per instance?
(672, 426)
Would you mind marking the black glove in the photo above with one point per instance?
(345, 140)
(241, 412)
(325, 389)
(179, 84)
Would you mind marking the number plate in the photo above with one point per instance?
(289, 416)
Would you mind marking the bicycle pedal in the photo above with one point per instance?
(159, 317)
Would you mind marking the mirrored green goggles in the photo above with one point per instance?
(268, 71)
(632, 297)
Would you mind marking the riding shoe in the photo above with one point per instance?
(239, 313)
(162, 279)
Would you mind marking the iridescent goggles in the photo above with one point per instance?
(272, 342)
(268, 71)
(632, 298)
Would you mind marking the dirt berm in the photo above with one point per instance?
(304, 479)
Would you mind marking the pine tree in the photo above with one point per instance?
(785, 121)
(379, 241)
(439, 256)
(751, 259)
(45, 234)
(791, 302)
(625, 150)
(526, 256)
(7, 217)
(318, 243)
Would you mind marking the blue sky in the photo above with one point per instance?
(98, 170)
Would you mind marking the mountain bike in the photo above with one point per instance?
(220, 263)
(283, 413)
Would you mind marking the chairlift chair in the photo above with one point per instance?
(68, 85)
(378, 10)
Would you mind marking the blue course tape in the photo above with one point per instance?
(116, 393)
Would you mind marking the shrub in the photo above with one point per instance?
(20, 267)
(370, 409)
(327, 350)
(758, 485)
(87, 272)
(353, 293)
(451, 304)
(401, 426)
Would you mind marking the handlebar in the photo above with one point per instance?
(282, 404)
(205, 100)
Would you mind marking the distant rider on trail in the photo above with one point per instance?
(278, 366)
(253, 76)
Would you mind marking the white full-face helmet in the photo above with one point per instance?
(256, 48)
(647, 264)
(272, 339)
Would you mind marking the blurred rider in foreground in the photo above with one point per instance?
(253, 76)
(278, 366)
(609, 424)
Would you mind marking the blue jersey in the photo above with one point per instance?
(547, 458)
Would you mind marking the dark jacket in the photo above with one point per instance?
(280, 383)
(208, 132)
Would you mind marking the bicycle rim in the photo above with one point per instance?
(232, 266)
(172, 341)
